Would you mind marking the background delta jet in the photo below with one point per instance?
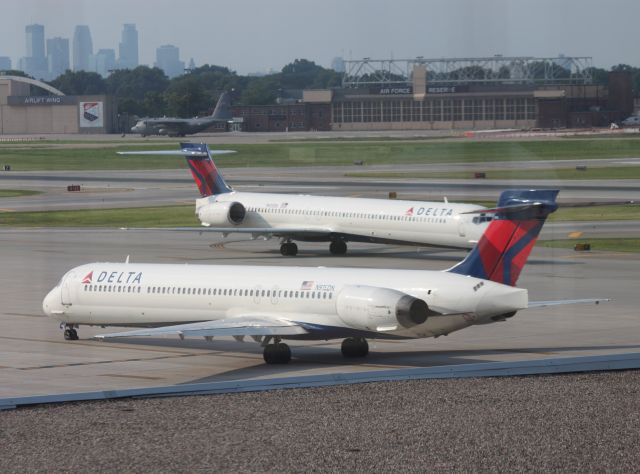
(271, 304)
(179, 127)
(324, 218)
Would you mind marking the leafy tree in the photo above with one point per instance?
(136, 83)
(260, 91)
(599, 75)
(15, 72)
(185, 97)
(80, 83)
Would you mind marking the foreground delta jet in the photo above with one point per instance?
(179, 127)
(275, 303)
(325, 218)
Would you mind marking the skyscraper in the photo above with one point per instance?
(57, 56)
(128, 58)
(104, 61)
(168, 59)
(35, 41)
(35, 61)
(82, 48)
(5, 63)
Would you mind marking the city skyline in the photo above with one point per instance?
(276, 34)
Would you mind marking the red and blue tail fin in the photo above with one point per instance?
(507, 242)
(206, 175)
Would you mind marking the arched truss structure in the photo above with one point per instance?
(34, 82)
(451, 71)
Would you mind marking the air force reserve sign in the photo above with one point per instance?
(91, 115)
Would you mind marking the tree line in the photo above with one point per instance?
(147, 92)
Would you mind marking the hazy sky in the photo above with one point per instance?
(255, 35)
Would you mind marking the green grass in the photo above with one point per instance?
(614, 172)
(326, 154)
(624, 212)
(17, 193)
(610, 245)
(169, 216)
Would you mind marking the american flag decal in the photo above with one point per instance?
(307, 285)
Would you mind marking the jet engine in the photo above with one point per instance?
(372, 308)
(222, 213)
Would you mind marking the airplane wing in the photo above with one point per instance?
(256, 231)
(236, 326)
(542, 304)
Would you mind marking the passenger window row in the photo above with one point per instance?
(171, 290)
(354, 215)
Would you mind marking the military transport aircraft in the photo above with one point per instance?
(337, 220)
(179, 127)
(271, 304)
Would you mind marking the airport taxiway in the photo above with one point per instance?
(36, 359)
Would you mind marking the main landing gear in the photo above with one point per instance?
(70, 334)
(288, 249)
(277, 353)
(338, 247)
(355, 347)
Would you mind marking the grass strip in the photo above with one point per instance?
(17, 193)
(166, 216)
(323, 154)
(614, 172)
(608, 245)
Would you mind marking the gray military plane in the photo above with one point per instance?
(179, 127)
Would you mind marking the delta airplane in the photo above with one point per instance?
(179, 127)
(271, 304)
(323, 218)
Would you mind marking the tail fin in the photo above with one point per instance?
(223, 107)
(503, 249)
(204, 171)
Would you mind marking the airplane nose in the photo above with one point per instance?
(51, 301)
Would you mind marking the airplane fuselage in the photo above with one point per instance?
(437, 224)
(333, 301)
(172, 126)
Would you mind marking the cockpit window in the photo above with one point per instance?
(482, 218)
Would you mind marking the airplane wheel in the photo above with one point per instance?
(279, 353)
(355, 347)
(338, 247)
(289, 249)
(70, 334)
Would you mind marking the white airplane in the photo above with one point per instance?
(322, 218)
(275, 303)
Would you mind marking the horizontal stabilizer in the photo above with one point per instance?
(184, 152)
(238, 326)
(543, 304)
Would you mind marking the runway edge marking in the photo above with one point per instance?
(557, 365)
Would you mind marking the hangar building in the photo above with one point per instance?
(447, 94)
(22, 112)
